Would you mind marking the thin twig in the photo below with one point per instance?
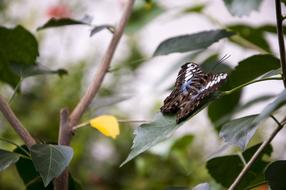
(15, 123)
(279, 20)
(65, 133)
(254, 158)
(99, 76)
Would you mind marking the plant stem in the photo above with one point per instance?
(61, 183)
(248, 83)
(106, 61)
(65, 133)
(255, 156)
(15, 123)
(279, 26)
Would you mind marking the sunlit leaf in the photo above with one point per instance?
(17, 46)
(191, 42)
(225, 169)
(7, 158)
(59, 22)
(107, 125)
(242, 7)
(240, 131)
(237, 131)
(161, 128)
(50, 160)
(195, 9)
(202, 186)
(275, 175)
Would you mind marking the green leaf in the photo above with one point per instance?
(161, 128)
(59, 22)
(251, 68)
(183, 142)
(33, 70)
(99, 28)
(28, 173)
(17, 46)
(270, 108)
(240, 131)
(275, 175)
(191, 42)
(50, 160)
(225, 169)
(242, 7)
(202, 186)
(195, 9)
(142, 15)
(253, 35)
(237, 131)
(7, 158)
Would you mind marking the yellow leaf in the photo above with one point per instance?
(106, 124)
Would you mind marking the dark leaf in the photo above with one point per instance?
(251, 34)
(275, 175)
(99, 28)
(7, 158)
(17, 46)
(191, 42)
(251, 68)
(33, 70)
(54, 22)
(28, 173)
(50, 160)
(241, 7)
(225, 169)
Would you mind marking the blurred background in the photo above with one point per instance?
(133, 89)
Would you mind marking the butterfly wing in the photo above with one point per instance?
(189, 72)
(205, 85)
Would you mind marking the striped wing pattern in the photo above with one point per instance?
(192, 85)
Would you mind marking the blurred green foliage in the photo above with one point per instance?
(96, 159)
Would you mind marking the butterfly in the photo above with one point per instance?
(191, 87)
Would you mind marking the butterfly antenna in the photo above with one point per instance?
(225, 57)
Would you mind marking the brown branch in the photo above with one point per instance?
(65, 133)
(99, 76)
(255, 156)
(15, 123)
(279, 20)
(66, 126)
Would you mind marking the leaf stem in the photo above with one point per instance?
(256, 155)
(248, 83)
(279, 26)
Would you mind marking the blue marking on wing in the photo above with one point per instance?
(185, 86)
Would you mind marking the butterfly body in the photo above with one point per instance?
(192, 86)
